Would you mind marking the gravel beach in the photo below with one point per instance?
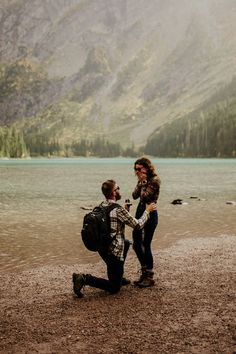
(191, 308)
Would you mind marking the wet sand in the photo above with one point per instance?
(191, 308)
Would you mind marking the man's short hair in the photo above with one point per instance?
(107, 188)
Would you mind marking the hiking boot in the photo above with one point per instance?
(147, 280)
(125, 281)
(142, 276)
(146, 283)
(79, 283)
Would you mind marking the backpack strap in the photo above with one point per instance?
(112, 206)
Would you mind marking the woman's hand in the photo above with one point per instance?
(142, 176)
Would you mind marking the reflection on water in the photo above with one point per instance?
(41, 200)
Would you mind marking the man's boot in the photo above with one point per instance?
(79, 281)
(147, 280)
(142, 276)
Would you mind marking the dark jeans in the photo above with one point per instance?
(115, 271)
(142, 238)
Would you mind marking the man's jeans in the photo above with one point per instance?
(115, 271)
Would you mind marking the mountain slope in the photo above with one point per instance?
(209, 131)
(113, 68)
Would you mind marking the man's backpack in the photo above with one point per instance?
(96, 231)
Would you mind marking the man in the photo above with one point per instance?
(115, 255)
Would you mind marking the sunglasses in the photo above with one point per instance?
(139, 169)
(117, 188)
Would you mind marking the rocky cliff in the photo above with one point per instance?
(113, 68)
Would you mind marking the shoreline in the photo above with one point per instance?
(28, 158)
(191, 308)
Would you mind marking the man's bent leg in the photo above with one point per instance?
(99, 283)
(126, 248)
(115, 271)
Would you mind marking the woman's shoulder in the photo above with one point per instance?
(155, 180)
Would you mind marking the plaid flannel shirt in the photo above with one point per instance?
(119, 217)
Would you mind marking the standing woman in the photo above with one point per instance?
(147, 189)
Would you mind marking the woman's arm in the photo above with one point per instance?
(150, 191)
(137, 191)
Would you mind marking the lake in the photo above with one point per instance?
(41, 203)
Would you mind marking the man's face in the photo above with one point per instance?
(116, 191)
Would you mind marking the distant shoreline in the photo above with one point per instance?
(110, 158)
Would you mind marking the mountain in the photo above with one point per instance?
(209, 131)
(119, 69)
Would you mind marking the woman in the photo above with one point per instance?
(147, 189)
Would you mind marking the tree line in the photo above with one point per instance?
(13, 144)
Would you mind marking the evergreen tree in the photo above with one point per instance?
(12, 143)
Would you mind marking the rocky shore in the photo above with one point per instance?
(191, 308)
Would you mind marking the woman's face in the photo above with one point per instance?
(140, 171)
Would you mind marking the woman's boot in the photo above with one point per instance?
(147, 280)
(142, 276)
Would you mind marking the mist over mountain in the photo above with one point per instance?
(119, 69)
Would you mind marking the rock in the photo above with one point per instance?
(231, 202)
(177, 201)
(87, 207)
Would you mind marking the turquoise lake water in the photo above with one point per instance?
(42, 200)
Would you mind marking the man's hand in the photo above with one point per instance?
(127, 204)
(151, 207)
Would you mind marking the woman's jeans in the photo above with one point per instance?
(115, 271)
(142, 238)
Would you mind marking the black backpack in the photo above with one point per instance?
(96, 229)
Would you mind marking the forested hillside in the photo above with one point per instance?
(207, 132)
